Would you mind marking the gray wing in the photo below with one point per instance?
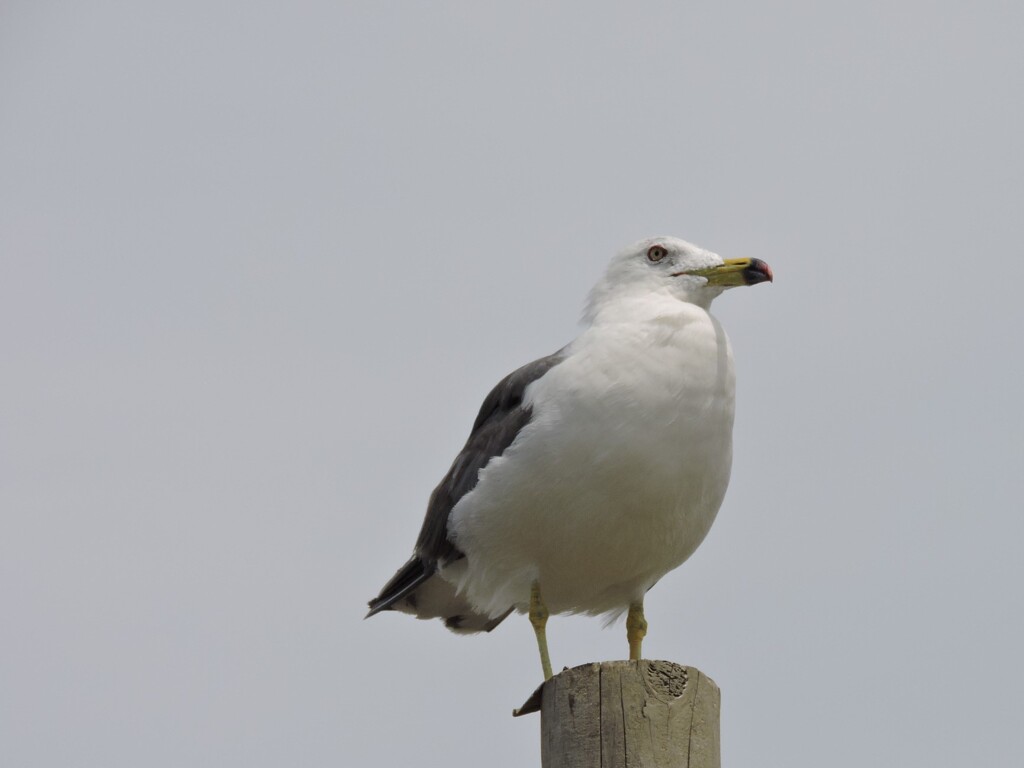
(500, 420)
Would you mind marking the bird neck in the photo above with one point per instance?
(645, 307)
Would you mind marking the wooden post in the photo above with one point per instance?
(628, 714)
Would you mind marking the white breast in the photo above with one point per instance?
(618, 476)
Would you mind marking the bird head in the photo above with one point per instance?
(673, 267)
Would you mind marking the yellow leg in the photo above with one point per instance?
(636, 628)
(539, 619)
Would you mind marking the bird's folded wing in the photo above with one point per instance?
(502, 416)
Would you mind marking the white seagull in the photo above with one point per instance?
(591, 473)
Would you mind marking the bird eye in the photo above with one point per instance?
(656, 253)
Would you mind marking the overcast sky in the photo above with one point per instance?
(260, 262)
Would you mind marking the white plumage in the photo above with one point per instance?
(615, 464)
(619, 474)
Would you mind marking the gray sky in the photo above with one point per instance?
(259, 263)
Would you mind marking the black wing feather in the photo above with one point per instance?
(501, 418)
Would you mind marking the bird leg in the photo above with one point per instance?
(636, 628)
(539, 620)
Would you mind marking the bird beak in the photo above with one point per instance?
(735, 272)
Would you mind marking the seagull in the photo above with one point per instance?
(590, 473)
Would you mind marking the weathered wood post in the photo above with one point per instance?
(628, 714)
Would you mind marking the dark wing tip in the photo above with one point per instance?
(454, 622)
(495, 622)
(406, 580)
(376, 606)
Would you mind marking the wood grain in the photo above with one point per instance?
(629, 714)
